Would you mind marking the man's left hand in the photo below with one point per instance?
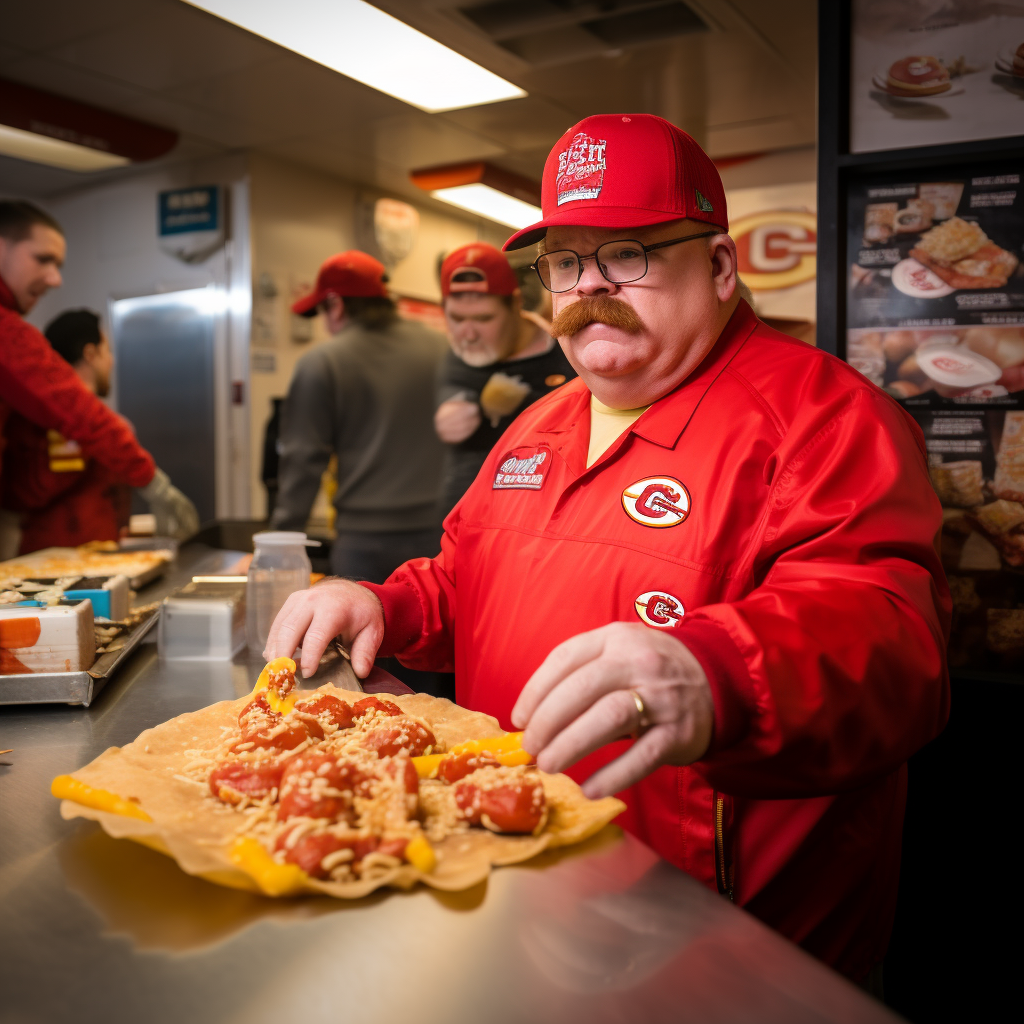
(582, 697)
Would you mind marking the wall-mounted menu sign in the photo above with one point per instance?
(935, 302)
(924, 73)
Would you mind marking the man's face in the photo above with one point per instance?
(101, 358)
(679, 305)
(482, 329)
(31, 267)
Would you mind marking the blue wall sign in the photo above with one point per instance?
(190, 209)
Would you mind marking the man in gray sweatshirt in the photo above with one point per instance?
(367, 396)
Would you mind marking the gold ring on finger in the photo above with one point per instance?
(641, 712)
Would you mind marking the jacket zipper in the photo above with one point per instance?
(723, 871)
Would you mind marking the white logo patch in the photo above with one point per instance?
(659, 609)
(657, 501)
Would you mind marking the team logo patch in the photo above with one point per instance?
(523, 469)
(702, 204)
(657, 501)
(581, 169)
(659, 609)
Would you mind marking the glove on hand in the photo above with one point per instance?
(176, 516)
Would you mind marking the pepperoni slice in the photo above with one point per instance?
(458, 766)
(268, 730)
(368, 704)
(408, 735)
(303, 794)
(310, 851)
(328, 708)
(516, 806)
(234, 780)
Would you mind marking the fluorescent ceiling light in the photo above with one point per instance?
(490, 203)
(41, 149)
(370, 46)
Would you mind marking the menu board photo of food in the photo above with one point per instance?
(976, 463)
(935, 301)
(930, 72)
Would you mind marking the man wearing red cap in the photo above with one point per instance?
(367, 396)
(502, 359)
(703, 575)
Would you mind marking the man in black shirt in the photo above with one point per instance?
(502, 360)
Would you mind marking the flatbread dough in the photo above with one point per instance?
(198, 831)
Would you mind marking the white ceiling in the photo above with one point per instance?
(747, 84)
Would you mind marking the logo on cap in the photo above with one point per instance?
(581, 169)
(702, 204)
(658, 609)
(658, 501)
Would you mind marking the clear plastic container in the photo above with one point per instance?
(279, 567)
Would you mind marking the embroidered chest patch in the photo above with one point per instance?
(657, 501)
(523, 469)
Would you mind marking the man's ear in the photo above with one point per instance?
(90, 350)
(724, 265)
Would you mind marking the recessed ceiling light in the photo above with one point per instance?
(490, 203)
(372, 47)
(42, 149)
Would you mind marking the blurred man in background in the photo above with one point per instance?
(502, 360)
(365, 396)
(39, 385)
(65, 498)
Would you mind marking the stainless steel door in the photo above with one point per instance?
(165, 349)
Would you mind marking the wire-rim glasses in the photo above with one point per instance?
(620, 262)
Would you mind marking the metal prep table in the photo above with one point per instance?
(97, 930)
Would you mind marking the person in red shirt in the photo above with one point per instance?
(38, 384)
(65, 499)
(702, 576)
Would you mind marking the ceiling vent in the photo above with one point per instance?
(544, 32)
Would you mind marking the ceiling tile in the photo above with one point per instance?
(175, 45)
(39, 26)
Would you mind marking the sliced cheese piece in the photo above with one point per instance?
(64, 787)
(282, 705)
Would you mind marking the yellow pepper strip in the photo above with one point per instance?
(420, 854)
(427, 764)
(507, 749)
(273, 879)
(281, 705)
(64, 787)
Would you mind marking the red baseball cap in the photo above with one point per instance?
(626, 171)
(485, 269)
(349, 275)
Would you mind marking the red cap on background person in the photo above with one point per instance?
(626, 171)
(349, 275)
(478, 267)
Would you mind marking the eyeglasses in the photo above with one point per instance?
(620, 262)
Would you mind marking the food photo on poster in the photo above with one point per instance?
(935, 304)
(976, 463)
(927, 72)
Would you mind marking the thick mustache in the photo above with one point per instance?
(596, 309)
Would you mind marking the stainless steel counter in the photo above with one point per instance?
(96, 930)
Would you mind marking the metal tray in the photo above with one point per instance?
(72, 687)
(38, 558)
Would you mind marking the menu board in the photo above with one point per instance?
(935, 316)
(926, 72)
(976, 463)
(935, 300)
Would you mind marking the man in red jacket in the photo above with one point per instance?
(703, 575)
(44, 389)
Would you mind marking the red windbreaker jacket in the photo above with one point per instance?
(63, 507)
(36, 382)
(775, 513)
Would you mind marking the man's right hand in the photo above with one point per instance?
(456, 419)
(313, 618)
